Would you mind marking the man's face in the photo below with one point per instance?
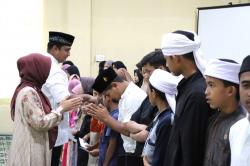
(61, 54)
(173, 63)
(106, 100)
(216, 92)
(245, 90)
(113, 92)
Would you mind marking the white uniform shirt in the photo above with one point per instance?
(239, 138)
(130, 101)
(56, 89)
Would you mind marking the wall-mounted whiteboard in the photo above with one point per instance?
(225, 31)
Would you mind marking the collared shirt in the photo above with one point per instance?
(186, 144)
(56, 89)
(144, 115)
(239, 138)
(218, 149)
(130, 101)
(154, 145)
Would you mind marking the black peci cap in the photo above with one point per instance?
(60, 37)
(104, 79)
(245, 66)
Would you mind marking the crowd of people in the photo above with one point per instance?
(178, 109)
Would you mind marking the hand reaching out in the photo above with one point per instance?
(89, 99)
(69, 104)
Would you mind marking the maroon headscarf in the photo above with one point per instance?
(34, 70)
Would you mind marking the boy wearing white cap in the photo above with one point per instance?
(162, 91)
(222, 93)
(186, 144)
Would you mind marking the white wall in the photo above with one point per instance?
(21, 33)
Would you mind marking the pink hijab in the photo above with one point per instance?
(72, 84)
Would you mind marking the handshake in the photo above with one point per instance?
(76, 101)
(87, 104)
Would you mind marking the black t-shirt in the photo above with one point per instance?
(144, 115)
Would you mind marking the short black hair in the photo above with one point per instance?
(159, 93)
(68, 62)
(228, 83)
(117, 79)
(73, 70)
(154, 58)
(139, 66)
(51, 44)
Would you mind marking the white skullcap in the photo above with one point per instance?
(166, 83)
(178, 44)
(223, 70)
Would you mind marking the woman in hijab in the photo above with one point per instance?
(35, 130)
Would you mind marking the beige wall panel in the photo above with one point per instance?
(71, 16)
(79, 23)
(127, 30)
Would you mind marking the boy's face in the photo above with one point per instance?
(151, 95)
(147, 70)
(106, 100)
(245, 90)
(173, 63)
(216, 92)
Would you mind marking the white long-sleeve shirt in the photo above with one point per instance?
(56, 89)
(239, 138)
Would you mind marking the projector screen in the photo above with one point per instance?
(225, 31)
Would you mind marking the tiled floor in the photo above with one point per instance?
(5, 141)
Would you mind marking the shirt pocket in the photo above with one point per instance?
(223, 155)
